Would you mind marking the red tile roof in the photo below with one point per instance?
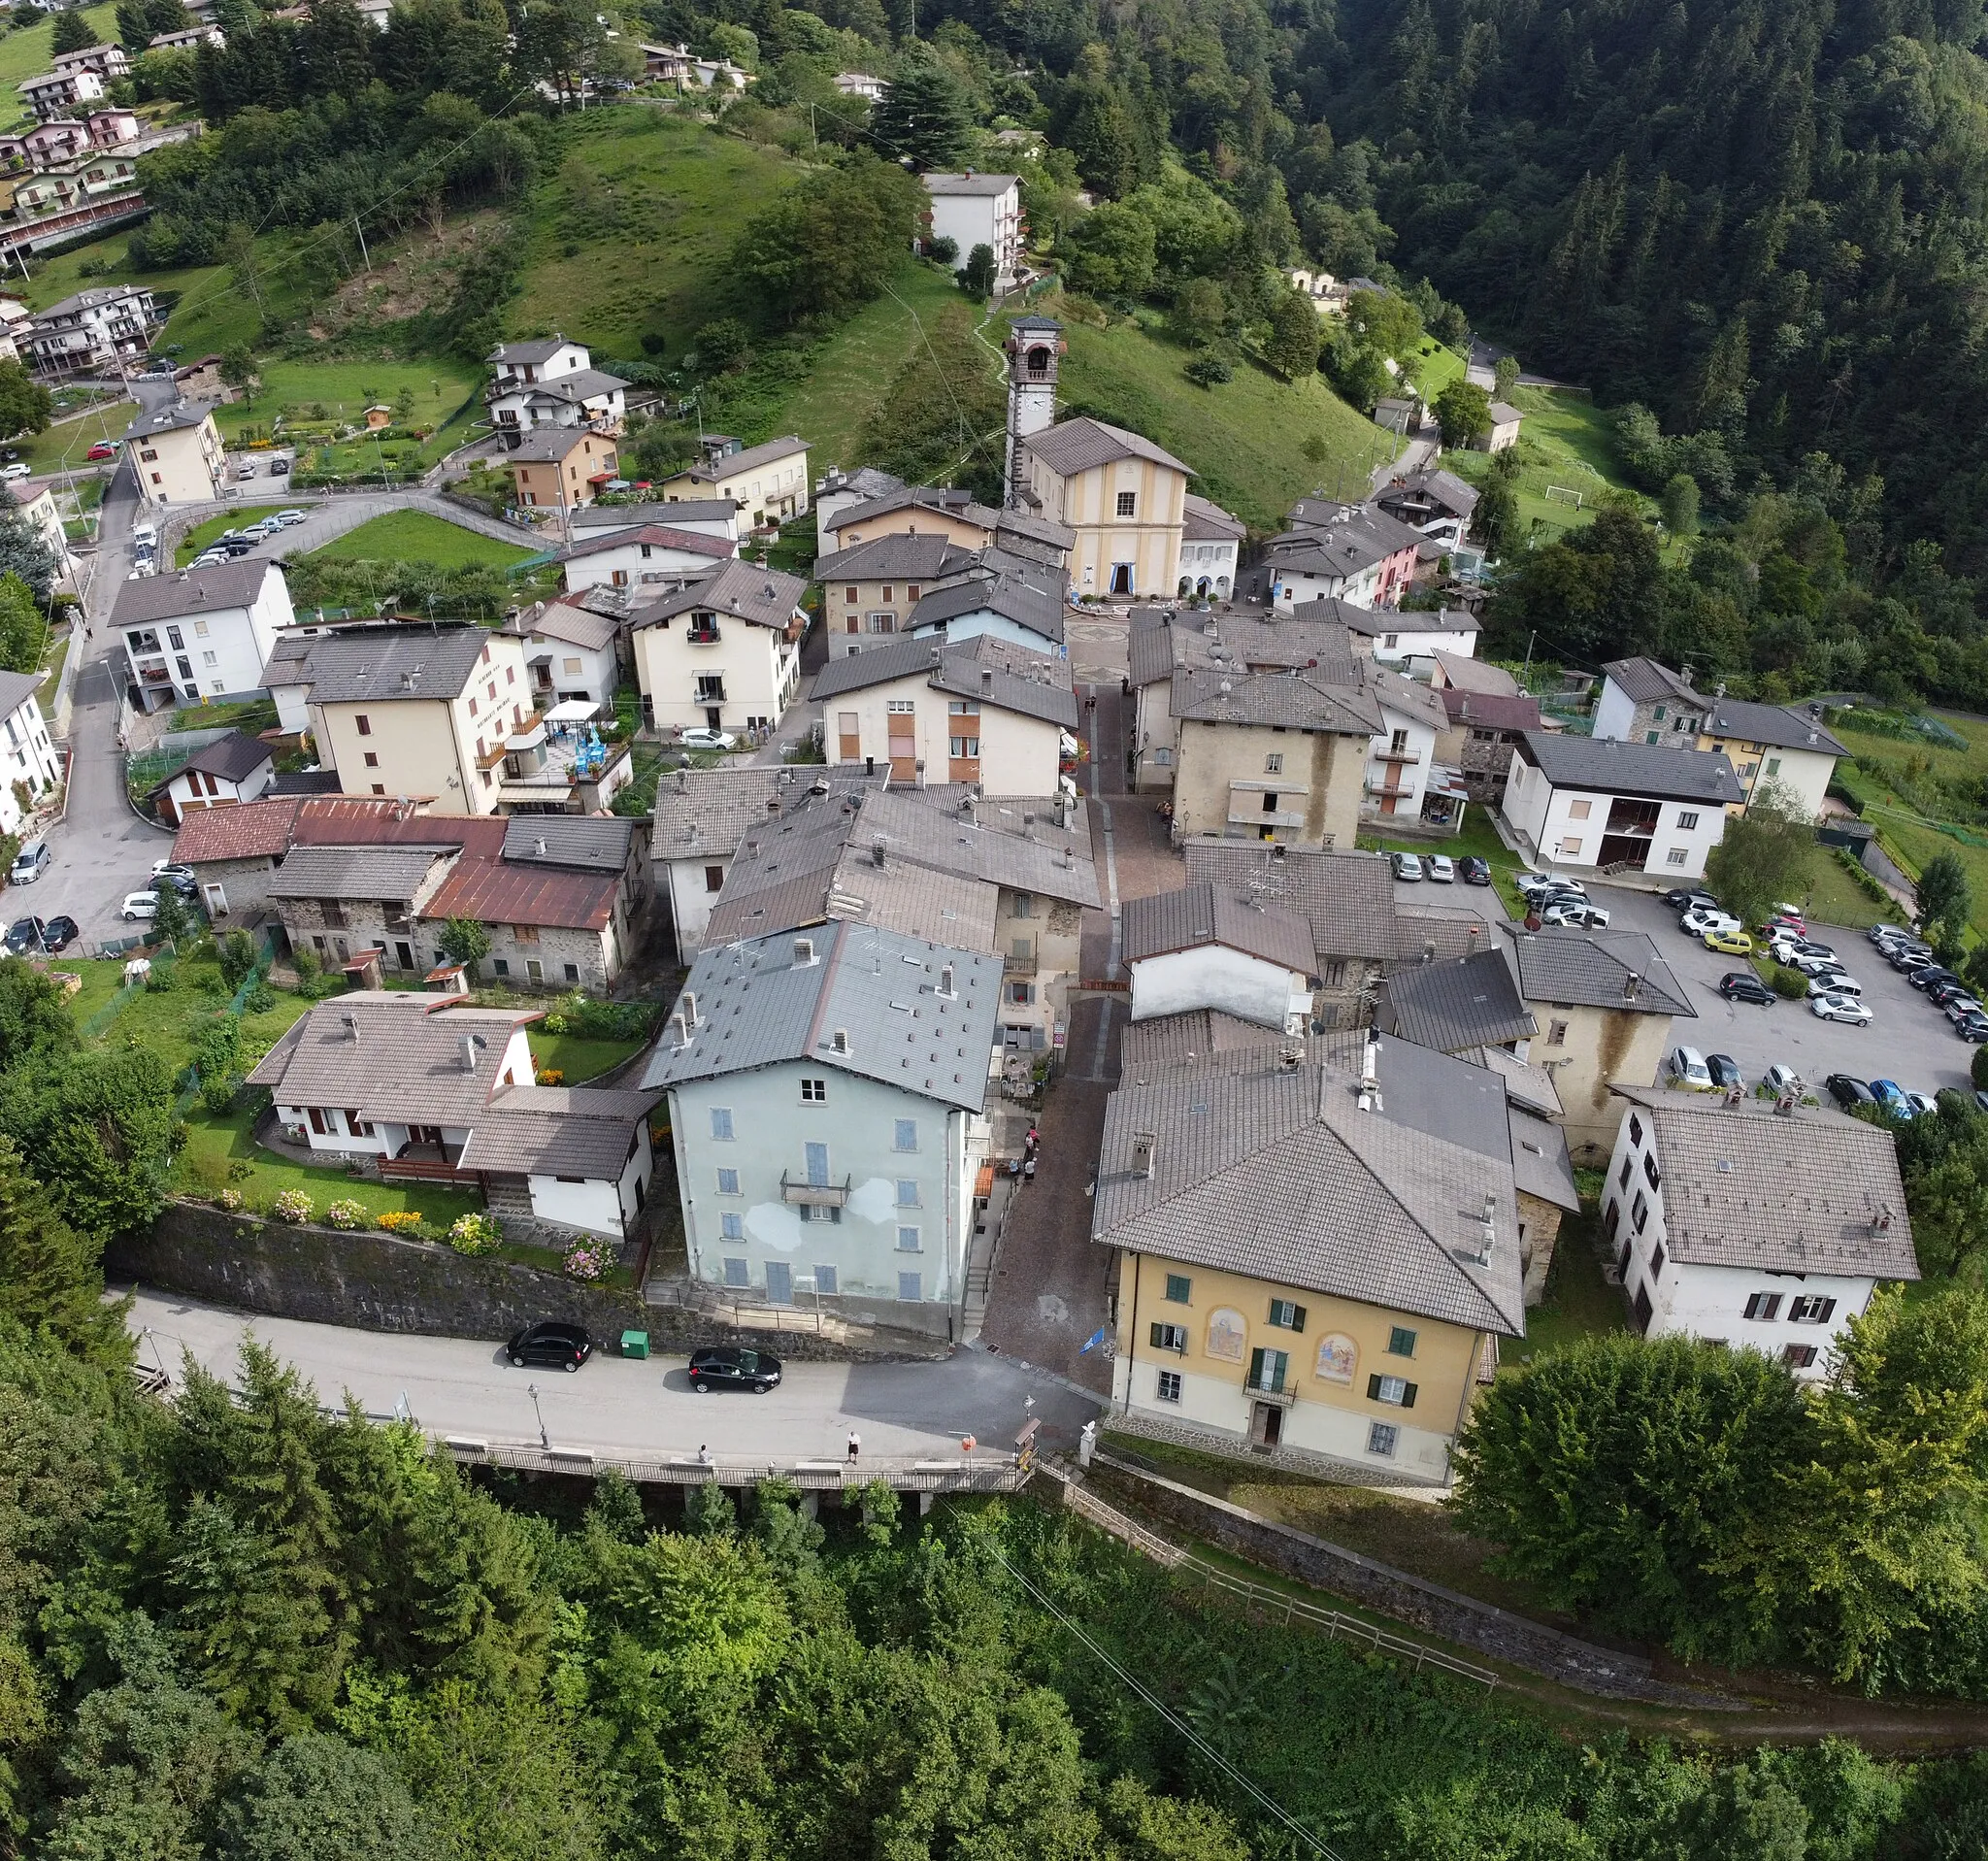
(364, 820)
(1489, 710)
(496, 893)
(248, 830)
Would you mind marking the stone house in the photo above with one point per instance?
(1643, 702)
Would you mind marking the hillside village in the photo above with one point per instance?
(1144, 937)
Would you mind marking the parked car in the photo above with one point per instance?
(1847, 1092)
(1725, 1071)
(24, 934)
(170, 868)
(1923, 1103)
(1439, 869)
(279, 468)
(20, 469)
(1930, 976)
(239, 545)
(1695, 923)
(290, 520)
(102, 449)
(1813, 962)
(244, 471)
(179, 882)
(1742, 985)
(1530, 883)
(1973, 1028)
(1779, 1078)
(139, 906)
(1907, 957)
(726, 1366)
(1686, 1065)
(30, 863)
(1729, 943)
(1408, 867)
(1576, 913)
(1959, 1008)
(1889, 934)
(1942, 993)
(1833, 981)
(1841, 1008)
(210, 560)
(699, 738)
(551, 1341)
(1890, 1094)
(58, 933)
(1685, 898)
(1473, 871)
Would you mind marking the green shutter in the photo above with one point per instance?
(1407, 1395)
(1155, 1335)
(1372, 1388)
(1297, 1317)
(1256, 1369)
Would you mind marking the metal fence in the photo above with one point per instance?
(162, 964)
(967, 1474)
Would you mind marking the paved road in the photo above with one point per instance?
(615, 1405)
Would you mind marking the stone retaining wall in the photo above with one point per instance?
(377, 1282)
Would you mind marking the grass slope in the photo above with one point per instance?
(31, 50)
(1567, 443)
(1242, 438)
(414, 536)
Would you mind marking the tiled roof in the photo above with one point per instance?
(599, 842)
(368, 820)
(1032, 535)
(1406, 698)
(1539, 1162)
(1204, 522)
(1029, 603)
(1408, 621)
(899, 556)
(741, 591)
(1276, 1175)
(165, 420)
(251, 830)
(1077, 445)
(1777, 726)
(1285, 700)
(1806, 1191)
(1609, 766)
(394, 1056)
(1444, 489)
(303, 782)
(1348, 897)
(1489, 711)
(1525, 1084)
(991, 185)
(549, 444)
(659, 536)
(384, 873)
(557, 1130)
(1236, 641)
(1595, 969)
(1644, 681)
(496, 891)
(703, 814)
(1187, 1039)
(1453, 1005)
(581, 385)
(1016, 843)
(758, 1005)
(155, 598)
(1207, 914)
(233, 757)
(632, 516)
(1479, 677)
(897, 895)
(531, 353)
(1033, 684)
(384, 665)
(749, 459)
(898, 496)
(1340, 540)
(569, 623)
(1504, 413)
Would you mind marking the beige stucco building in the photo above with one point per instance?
(1786, 744)
(1123, 498)
(766, 483)
(723, 653)
(176, 453)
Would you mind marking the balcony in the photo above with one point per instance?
(1397, 754)
(797, 1193)
(1240, 817)
(709, 692)
(704, 631)
(1279, 1389)
(1012, 964)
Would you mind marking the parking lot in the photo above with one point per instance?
(1909, 1040)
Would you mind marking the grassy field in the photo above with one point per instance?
(1567, 443)
(31, 50)
(1436, 365)
(1244, 438)
(578, 1059)
(202, 534)
(414, 536)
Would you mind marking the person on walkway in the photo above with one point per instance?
(855, 1446)
(704, 1456)
(1028, 1168)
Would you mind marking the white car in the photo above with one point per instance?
(702, 739)
(1923, 1103)
(20, 469)
(1576, 913)
(1833, 981)
(1697, 923)
(1839, 1007)
(140, 904)
(1810, 963)
(1686, 1065)
(212, 559)
(1778, 1079)
(1439, 869)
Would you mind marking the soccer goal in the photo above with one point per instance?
(1563, 494)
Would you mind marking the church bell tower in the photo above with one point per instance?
(1034, 346)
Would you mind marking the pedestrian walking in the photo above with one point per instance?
(704, 1456)
(855, 1446)
(1028, 1170)
(1035, 1137)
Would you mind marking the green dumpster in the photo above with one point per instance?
(635, 1344)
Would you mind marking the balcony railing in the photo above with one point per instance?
(1013, 965)
(799, 1193)
(710, 695)
(1279, 1390)
(704, 636)
(1392, 755)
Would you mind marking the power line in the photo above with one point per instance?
(1172, 1717)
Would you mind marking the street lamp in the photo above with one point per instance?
(544, 1440)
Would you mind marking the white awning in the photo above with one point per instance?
(572, 710)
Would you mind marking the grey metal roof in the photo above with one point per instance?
(385, 665)
(866, 481)
(389, 873)
(304, 781)
(1340, 540)
(993, 185)
(1031, 604)
(665, 536)
(1539, 1162)
(1025, 844)
(166, 419)
(1447, 1005)
(529, 355)
(741, 591)
(1526, 1086)
(570, 624)
(1644, 681)
(15, 689)
(1190, 1038)
(234, 757)
(1276, 1175)
(581, 385)
(1236, 641)
(1077, 445)
(1595, 969)
(1031, 534)
(545, 444)
(757, 1003)
(1035, 684)
(706, 813)
(636, 516)
(157, 598)
(1777, 726)
(1287, 700)
(748, 459)
(1209, 913)
(1806, 1191)
(1408, 620)
(600, 843)
(900, 557)
(1440, 488)
(896, 496)
(557, 1130)
(1609, 766)
(854, 889)
(404, 1064)
(1408, 697)
(1504, 413)
(1206, 522)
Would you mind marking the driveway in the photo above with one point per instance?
(625, 1407)
(1908, 1041)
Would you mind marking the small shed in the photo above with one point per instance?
(378, 417)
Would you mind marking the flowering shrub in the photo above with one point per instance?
(474, 1233)
(401, 1221)
(228, 1199)
(592, 1262)
(293, 1205)
(345, 1215)
(553, 1076)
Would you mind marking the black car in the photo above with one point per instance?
(1725, 1071)
(185, 887)
(551, 1341)
(1847, 1092)
(1942, 992)
(1473, 871)
(24, 934)
(1742, 985)
(58, 933)
(724, 1367)
(238, 545)
(1684, 899)
(1930, 976)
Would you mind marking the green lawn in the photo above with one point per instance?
(31, 50)
(578, 1059)
(1475, 836)
(66, 447)
(52, 666)
(1578, 1304)
(1567, 443)
(1244, 438)
(414, 536)
(1436, 365)
(202, 534)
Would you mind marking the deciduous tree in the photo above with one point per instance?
(1464, 411)
(1765, 855)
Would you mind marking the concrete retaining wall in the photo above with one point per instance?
(378, 1282)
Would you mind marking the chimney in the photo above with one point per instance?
(1463, 711)
(1142, 1153)
(1632, 984)
(804, 952)
(1880, 1222)
(469, 1052)
(877, 853)
(680, 1035)
(351, 1022)
(986, 678)
(688, 1008)
(838, 1041)
(1487, 1230)
(1370, 1074)
(946, 991)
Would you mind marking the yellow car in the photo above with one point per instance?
(1729, 943)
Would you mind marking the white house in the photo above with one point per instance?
(1023, 608)
(1401, 756)
(1575, 802)
(1210, 539)
(203, 633)
(978, 209)
(1506, 420)
(655, 557)
(723, 653)
(1212, 947)
(550, 382)
(1396, 638)
(1786, 744)
(860, 83)
(1759, 1227)
(61, 94)
(1354, 552)
(222, 775)
(1437, 503)
(101, 327)
(26, 755)
(37, 504)
(704, 516)
(574, 653)
(582, 1151)
(827, 1094)
(766, 484)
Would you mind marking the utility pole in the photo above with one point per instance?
(1527, 673)
(364, 254)
(814, 140)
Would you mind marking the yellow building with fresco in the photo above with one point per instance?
(1122, 496)
(1316, 1260)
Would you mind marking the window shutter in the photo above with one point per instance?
(1256, 1369)
(1297, 1317)
(1155, 1335)
(1373, 1388)
(1407, 1395)
(1829, 1306)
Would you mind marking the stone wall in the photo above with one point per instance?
(377, 1281)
